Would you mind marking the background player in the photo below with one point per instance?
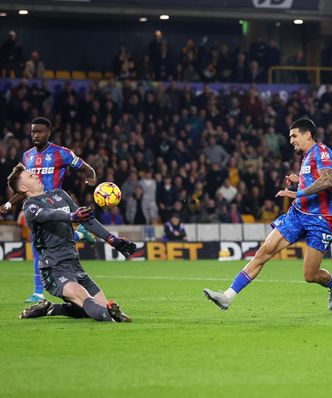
(49, 216)
(49, 162)
(310, 217)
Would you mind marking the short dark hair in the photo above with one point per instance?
(304, 124)
(42, 120)
(14, 176)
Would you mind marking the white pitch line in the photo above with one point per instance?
(162, 278)
(174, 278)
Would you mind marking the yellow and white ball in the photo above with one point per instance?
(107, 194)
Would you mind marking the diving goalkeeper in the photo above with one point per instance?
(50, 216)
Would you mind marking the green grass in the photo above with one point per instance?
(274, 342)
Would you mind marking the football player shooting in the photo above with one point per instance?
(309, 218)
(49, 162)
(49, 216)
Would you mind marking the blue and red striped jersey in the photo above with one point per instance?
(51, 164)
(317, 158)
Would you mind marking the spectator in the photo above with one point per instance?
(227, 190)
(269, 212)
(174, 229)
(138, 210)
(34, 67)
(298, 59)
(215, 153)
(12, 56)
(166, 197)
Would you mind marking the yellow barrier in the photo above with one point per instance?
(316, 69)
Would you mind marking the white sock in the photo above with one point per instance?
(230, 294)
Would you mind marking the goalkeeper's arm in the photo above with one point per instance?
(124, 246)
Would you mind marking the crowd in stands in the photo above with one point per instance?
(202, 61)
(208, 156)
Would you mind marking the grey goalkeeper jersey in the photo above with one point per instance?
(48, 216)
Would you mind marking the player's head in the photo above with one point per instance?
(41, 129)
(302, 134)
(23, 182)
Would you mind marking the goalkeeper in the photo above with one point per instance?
(50, 216)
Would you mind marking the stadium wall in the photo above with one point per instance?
(222, 242)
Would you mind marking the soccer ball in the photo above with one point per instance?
(107, 194)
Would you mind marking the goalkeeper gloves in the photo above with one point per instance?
(82, 214)
(125, 247)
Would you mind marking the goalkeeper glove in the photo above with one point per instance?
(125, 247)
(82, 214)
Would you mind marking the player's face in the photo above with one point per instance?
(299, 140)
(40, 134)
(30, 183)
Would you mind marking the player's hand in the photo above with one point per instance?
(82, 214)
(91, 182)
(3, 210)
(292, 178)
(286, 192)
(124, 246)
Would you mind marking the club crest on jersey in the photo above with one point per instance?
(324, 156)
(57, 198)
(48, 157)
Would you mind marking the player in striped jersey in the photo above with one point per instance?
(50, 162)
(309, 218)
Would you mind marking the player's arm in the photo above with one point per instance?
(6, 207)
(90, 173)
(323, 182)
(124, 246)
(36, 213)
(70, 159)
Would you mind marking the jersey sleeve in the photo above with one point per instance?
(323, 157)
(70, 159)
(35, 212)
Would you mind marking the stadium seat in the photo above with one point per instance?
(108, 75)
(95, 75)
(62, 74)
(78, 75)
(48, 74)
(248, 218)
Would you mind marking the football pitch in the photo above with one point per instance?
(275, 341)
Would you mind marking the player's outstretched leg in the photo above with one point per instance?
(273, 244)
(47, 308)
(38, 285)
(83, 234)
(224, 299)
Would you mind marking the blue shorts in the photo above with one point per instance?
(315, 230)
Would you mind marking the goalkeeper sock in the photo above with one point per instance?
(240, 282)
(96, 311)
(67, 309)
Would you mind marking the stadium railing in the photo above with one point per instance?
(316, 70)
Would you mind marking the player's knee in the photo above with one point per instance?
(75, 293)
(310, 277)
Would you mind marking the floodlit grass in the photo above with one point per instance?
(275, 341)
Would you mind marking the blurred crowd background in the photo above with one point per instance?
(176, 130)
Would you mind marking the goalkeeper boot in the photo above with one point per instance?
(36, 310)
(217, 298)
(87, 236)
(116, 313)
(329, 300)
